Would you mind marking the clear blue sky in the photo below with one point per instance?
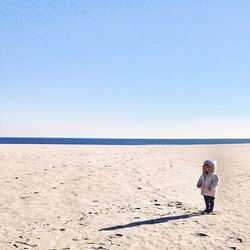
(125, 68)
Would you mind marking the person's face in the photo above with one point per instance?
(208, 168)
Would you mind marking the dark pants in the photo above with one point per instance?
(209, 200)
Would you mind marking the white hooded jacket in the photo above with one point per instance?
(208, 180)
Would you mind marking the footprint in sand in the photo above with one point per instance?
(64, 248)
(176, 204)
(59, 229)
(23, 243)
(118, 235)
(83, 217)
(25, 197)
(235, 239)
(76, 239)
(101, 247)
(202, 235)
(137, 208)
(157, 204)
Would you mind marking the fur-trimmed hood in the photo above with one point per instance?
(212, 163)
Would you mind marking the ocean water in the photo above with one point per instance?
(117, 141)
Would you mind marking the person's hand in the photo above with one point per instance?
(209, 188)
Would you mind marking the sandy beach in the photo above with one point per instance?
(121, 197)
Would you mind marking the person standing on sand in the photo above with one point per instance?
(208, 182)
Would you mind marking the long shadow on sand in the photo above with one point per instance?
(152, 221)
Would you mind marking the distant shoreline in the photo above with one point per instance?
(119, 141)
